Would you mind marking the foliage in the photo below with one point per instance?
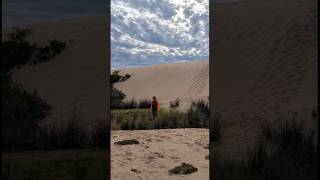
(21, 109)
(175, 103)
(286, 151)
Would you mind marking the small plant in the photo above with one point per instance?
(184, 168)
(127, 142)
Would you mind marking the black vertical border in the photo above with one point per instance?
(211, 83)
(108, 114)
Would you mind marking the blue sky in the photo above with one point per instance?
(147, 32)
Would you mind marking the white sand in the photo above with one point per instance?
(159, 151)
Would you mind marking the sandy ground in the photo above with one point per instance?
(159, 151)
(186, 80)
(264, 64)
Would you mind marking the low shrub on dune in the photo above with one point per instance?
(285, 151)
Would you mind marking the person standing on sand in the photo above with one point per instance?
(155, 107)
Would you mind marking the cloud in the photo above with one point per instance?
(158, 31)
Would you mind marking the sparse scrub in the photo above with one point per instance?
(175, 103)
(144, 104)
(132, 104)
(133, 119)
(198, 114)
(22, 110)
(69, 164)
(286, 151)
(116, 77)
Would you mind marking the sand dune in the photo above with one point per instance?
(265, 62)
(187, 81)
(159, 151)
(74, 82)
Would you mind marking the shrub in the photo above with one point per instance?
(116, 77)
(175, 103)
(283, 152)
(144, 104)
(116, 98)
(21, 109)
(198, 115)
(132, 104)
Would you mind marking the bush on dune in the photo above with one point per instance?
(197, 116)
(144, 104)
(175, 103)
(283, 152)
(22, 110)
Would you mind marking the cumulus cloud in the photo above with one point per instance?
(158, 31)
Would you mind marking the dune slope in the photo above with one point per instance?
(74, 82)
(187, 81)
(265, 62)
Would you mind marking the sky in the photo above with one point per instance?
(145, 32)
(17, 12)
